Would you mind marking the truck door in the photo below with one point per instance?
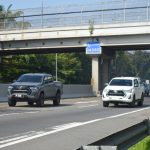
(51, 91)
(46, 87)
(137, 89)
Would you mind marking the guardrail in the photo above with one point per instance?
(122, 140)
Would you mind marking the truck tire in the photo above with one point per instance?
(116, 104)
(140, 102)
(12, 102)
(105, 104)
(56, 100)
(148, 94)
(30, 103)
(132, 104)
(40, 101)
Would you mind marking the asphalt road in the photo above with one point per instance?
(74, 123)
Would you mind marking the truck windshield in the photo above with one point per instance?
(30, 78)
(121, 82)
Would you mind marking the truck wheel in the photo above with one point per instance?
(140, 103)
(12, 102)
(40, 101)
(105, 104)
(56, 100)
(132, 104)
(148, 93)
(116, 104)
(30, 103)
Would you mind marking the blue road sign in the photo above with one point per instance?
(93, 48)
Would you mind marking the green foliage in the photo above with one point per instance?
(142, 64)
(122, 65)
(142, 145)
(8, 18)
(85, 72)
(72, 68)
(91, 27)
(131, 64)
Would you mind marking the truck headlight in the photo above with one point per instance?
(106, 90)
(34, 89)
(10, 87)
(129, 91)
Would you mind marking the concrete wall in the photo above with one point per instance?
(73, 91)
(69, 91)
(3, 92)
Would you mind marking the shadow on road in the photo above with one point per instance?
(45, 106)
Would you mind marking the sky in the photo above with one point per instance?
(23, 4)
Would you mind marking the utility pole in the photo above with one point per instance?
(56, 66)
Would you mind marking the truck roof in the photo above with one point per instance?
(38, 74)
(127, 78)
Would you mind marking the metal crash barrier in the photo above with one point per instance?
(122, 140)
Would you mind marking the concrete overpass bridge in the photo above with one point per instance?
(119, 35)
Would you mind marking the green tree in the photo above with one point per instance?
(131, 64)
(122, 64)
(8, 19)
(84, 74)
(141, 61)
(69, 66)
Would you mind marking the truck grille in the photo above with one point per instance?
(21, 89)
(116, 93)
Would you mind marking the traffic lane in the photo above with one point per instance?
(49, 104)
(38, 119)
(85, 102)
(83, 134)
(65, 103)
(23, 119)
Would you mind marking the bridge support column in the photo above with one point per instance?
(105, 72)
(95, 75)
(100, 74)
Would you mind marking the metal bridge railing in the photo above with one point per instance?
(119, 11)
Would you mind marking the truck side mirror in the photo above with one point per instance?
(14, 81)
(106, 84)
(45, 82)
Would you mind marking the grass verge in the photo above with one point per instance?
(142, 145)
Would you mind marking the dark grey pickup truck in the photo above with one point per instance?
(35, 88)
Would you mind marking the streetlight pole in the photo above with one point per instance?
(147, 10)
(56, 66)
(124, 13)
(42, 12)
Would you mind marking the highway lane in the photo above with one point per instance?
(24, 124)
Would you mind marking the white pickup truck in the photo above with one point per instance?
(128, 90)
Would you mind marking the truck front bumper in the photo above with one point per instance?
(23, 97)
(120, 99)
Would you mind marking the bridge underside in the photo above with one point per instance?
(41, 51)
(106, 50)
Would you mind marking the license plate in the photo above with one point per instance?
(18, 95)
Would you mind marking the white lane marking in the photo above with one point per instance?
(86, 102)
(13, 139)
(68, 125)
(87, 106)
(32, 112)
(16, 135)
(44, 133)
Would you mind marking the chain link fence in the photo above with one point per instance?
(105, 12)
